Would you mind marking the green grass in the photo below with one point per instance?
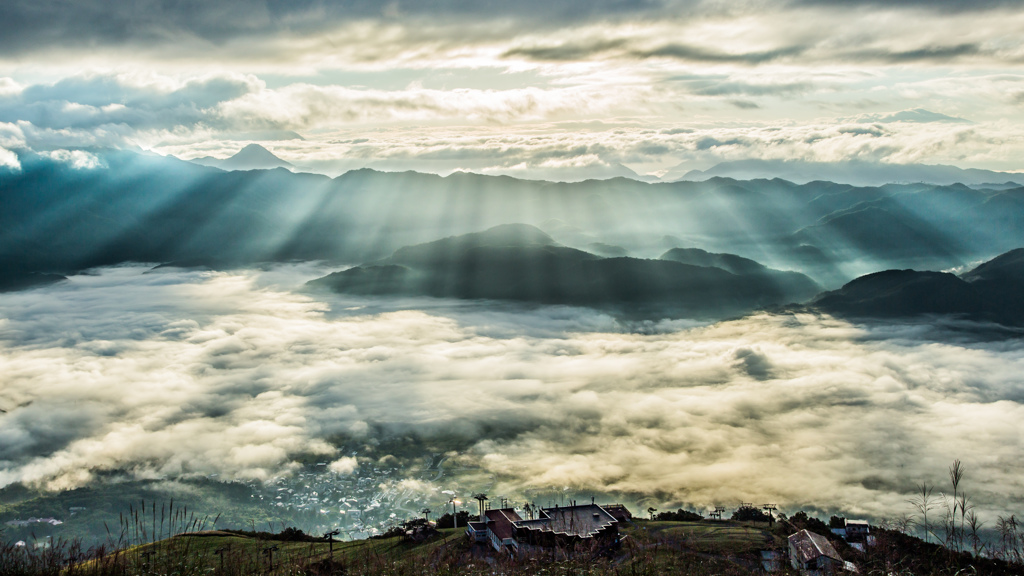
(724, 548)
(649, 550)
(233, 555)
(102, 504)
(724, 537)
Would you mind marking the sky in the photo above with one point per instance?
(530, 88)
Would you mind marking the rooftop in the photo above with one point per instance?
(584, 521)
(808, 546)
(500, 522)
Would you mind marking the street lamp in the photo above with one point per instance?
(455, 513)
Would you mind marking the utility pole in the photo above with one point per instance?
(220, 552)
(330, 540)
(481, 498)
(269, 551)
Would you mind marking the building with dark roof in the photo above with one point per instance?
(812, 554)
(857, 534)
(562, 526)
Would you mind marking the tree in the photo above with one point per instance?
(804, 522)
(651, 511)
(679, 516)
(749, 514)
(445, 521)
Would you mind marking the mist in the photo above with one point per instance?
(177, 373)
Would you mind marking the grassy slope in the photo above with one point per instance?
(726, 538)
(650, 548)
(103, 504)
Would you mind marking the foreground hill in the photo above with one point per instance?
(726, 547)
(520, 262)
(990, 292)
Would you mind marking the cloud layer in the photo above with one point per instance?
(176, 373)
(526, 89)
(534, 131)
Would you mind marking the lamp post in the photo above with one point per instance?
(455, 513)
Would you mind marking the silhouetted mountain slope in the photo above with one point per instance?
(1001, 284)
(989, 292)
(1006, 268)
(453, 249)
(796, 285)
(519, 262)
(607, 250)
(729, 262)
(14, 279)
(887, 230)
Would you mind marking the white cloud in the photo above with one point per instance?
(179, 373)
(9, 87)
(77, 159)
(343, 466)
(9, 160)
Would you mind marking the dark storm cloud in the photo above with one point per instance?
(954, 6)
(700, 54)
(925, 53)
(744, 104)
(590, 49)
(730, 87)
(573, 51)
(594, 48)
(29, 24)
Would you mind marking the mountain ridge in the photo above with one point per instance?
(858, 173)
(520, 262)
(56, 218)
(989, 292)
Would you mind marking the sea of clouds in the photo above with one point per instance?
(171, 373)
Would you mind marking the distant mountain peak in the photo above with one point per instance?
(254, 156)
(252, 149)
(251, 157)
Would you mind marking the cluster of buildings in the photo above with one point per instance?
(564, 526)
(505, 531)
(361, 504)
